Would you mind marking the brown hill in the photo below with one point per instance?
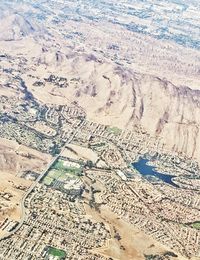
(116, 96)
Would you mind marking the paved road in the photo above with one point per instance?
(22, 202)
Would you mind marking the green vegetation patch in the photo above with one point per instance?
(74, 171)
(114, 130)
(196, 225)
(55, 174)
(64, 177)
(98, 144)
(60, 170)
(58, 165)
(47, 180)
(58, 253)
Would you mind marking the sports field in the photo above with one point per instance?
(56, 253)
(61, 172)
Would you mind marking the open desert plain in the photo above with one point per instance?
(99, 130)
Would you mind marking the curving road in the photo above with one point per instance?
(22, 202)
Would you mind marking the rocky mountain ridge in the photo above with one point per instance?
(111, 93)
(114, 95)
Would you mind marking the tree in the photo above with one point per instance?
(89, 164)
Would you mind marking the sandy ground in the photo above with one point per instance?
(77, 152)
(15, 187)
(16, 159)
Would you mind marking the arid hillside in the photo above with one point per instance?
(120, 76)
(121, 97)
(17, 159)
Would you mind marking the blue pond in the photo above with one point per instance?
(146, 170)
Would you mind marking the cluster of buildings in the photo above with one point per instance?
(53, 220)
(155, 209)
(56, 218)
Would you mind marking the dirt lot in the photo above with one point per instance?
(16, 159)
(77, 152)
(12, 189)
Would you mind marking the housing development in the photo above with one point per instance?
(69, 209)
(99, 130)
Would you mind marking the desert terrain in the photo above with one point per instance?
(88, 90)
